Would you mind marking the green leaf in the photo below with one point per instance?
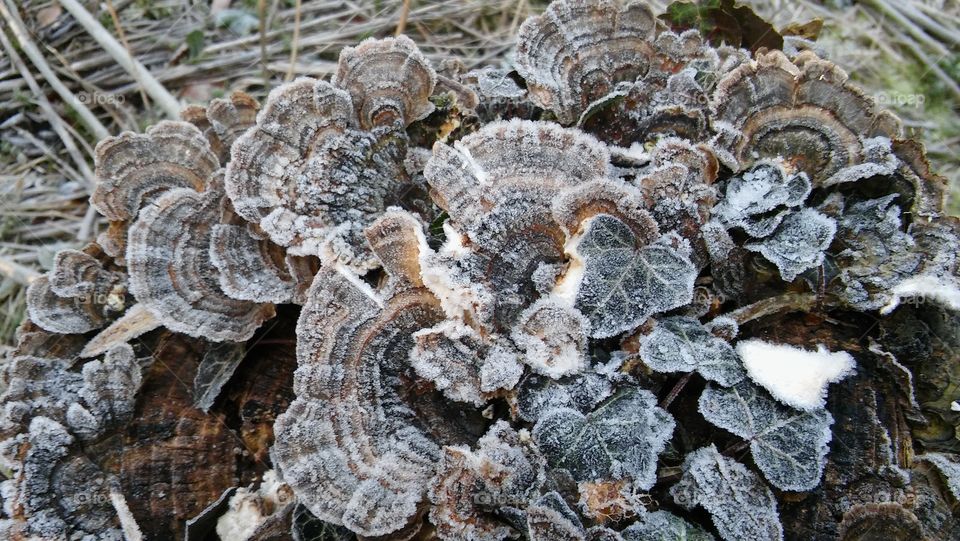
(788, 445)
(621, 438)
(195, 43)
(624, 284)
(740, 504)
(682, 344)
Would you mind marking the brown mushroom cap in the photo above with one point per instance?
(389, 80)
(498, 185)
(77, 295)
(805, 112)
(576, 52)
(310, 181)
(168, 257)
(350, 447)
(132, 168)
(223, 120)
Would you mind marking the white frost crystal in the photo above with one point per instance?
(794, 376)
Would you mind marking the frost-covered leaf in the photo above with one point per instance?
(740, 504)
(624, 284)
(876, 254)
(621, 438)
(798, 243)
(682, 344)
(795, 376)
(949, 468)
(219, 363)
(758, 200)
(664, 526)
(551, 519)
(789, 446)
(580, 392)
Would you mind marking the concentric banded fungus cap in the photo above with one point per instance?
(805, 112)
(78, 294)
(352, 446)
(309, 180)
(577, 50)
(497, 185)
(133, 168)
(389, 80)
(171, 274)
(253, 268)
(223, 120)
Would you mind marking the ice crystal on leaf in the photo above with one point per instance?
(798, 244)
(623, 437)
(681, 344)
(623, 283)
(580, 392)
(789, 446)
(760, 198)
(742, 507)
(549, 518)
(664, 526)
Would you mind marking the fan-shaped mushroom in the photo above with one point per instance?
(78, 294)
(389, 80)
(132, 169)
(497, 185)
(223, 120)
(350, 448)
(171, 272)
(576, 52)
(806, 113)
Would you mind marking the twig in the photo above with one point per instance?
(908, 25)
(262, 14)
(123, 39)
(788, 302)
(404, 14)
(161, 95)
(295, 42)
(16, 26)
(17, 272)
(676, 390)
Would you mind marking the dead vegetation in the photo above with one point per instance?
(74, 71)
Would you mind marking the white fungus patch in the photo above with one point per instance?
(794, 376)
(923, 288)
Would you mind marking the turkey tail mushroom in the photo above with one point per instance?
(389, 80)
(133, 169)
(78, 294)
(578, 50)
(172, 275)
(806, 113)
(350, 447)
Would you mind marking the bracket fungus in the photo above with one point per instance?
(573, 298)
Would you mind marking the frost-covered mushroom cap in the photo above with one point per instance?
(805, 112)
(389, 80)
(577, 50)
(351, 448)
(309, 179)
(168, 257)
(77, 295)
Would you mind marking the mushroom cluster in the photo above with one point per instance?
(600, 294)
